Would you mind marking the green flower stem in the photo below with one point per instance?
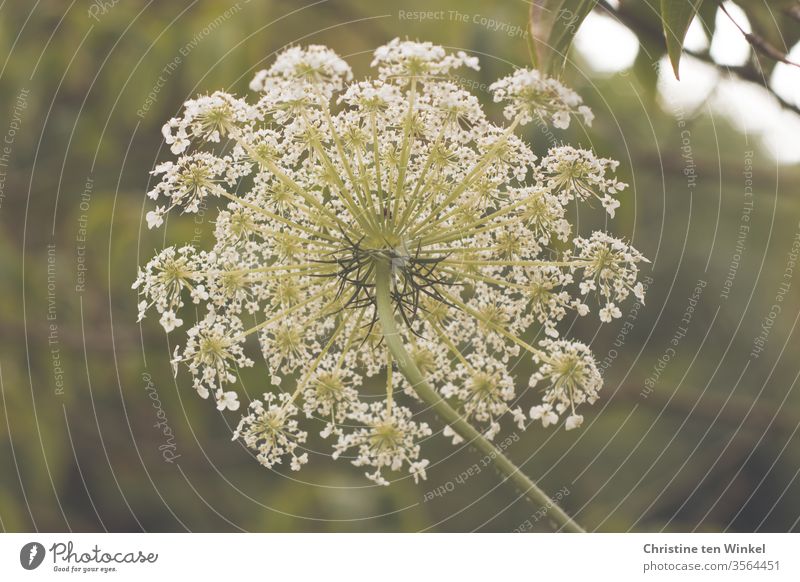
(406, 365)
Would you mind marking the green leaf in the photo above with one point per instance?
(707, 12)
(676, 16)
(552, 25)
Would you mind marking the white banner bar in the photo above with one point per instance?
(406, 557)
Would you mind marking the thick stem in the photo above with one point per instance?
(383, 283)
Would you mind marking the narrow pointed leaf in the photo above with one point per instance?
(707, 12)
(676, 16)
(552, 26)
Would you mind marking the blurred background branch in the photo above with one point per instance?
(650, 30)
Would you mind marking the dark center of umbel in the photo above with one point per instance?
(414, 275)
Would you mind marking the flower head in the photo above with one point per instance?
(530, 94)
(389, 438)
(401, 61)
(207, 118)
(190, 180)
(164, 281)
(610, 269)
(315, 65)
(578, 174)
(323, 182)
(271, 430)
(570, 376)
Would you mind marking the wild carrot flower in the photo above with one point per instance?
(336, 195)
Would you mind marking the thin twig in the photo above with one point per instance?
(759, 43)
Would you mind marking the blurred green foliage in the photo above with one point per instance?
(713, 447)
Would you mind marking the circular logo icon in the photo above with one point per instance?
(31, 555)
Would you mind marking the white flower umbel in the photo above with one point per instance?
(388, 439)
(272, 431)
(386, 228)
(530, 94)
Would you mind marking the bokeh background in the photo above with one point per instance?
(696, 430)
